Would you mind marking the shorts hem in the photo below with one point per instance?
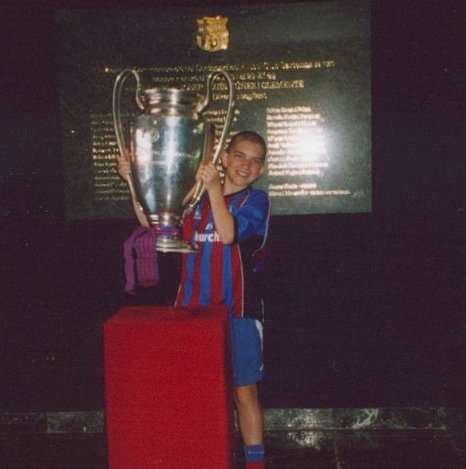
(249, 381)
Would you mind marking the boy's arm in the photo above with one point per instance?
(124, 170)
(223, 219)
(137, 209)
(252, 218)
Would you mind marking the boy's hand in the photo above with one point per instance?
(124, 167)
(210, 176)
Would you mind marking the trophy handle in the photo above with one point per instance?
(199, 188)
(117, 88)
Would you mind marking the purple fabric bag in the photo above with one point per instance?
(141, 265)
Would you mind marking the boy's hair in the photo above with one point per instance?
(250, 136)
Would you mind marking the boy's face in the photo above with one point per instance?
(244, 163)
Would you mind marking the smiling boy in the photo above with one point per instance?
(229, 226)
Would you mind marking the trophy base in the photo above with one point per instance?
(167, 233)
(173, 244)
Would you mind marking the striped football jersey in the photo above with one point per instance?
(226, 274)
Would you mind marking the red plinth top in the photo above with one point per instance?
(168, 314)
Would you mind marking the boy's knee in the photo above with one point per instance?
(246, 395)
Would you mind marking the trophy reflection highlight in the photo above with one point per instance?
(167, 142)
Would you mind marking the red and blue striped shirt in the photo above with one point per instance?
(226, 273)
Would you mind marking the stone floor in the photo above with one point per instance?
(394, 449)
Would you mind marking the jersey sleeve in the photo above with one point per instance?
(252, 217)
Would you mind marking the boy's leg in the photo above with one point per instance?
(251, 425)
(248, 370)
(249, 414)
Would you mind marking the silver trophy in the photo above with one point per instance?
(167, 142)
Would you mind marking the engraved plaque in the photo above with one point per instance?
(301, 73)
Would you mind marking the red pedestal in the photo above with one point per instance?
(167, 382)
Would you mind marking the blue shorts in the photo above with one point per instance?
(246, 345)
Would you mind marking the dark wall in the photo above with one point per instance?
(363, 309)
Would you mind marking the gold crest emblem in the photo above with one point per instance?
(212, 33)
